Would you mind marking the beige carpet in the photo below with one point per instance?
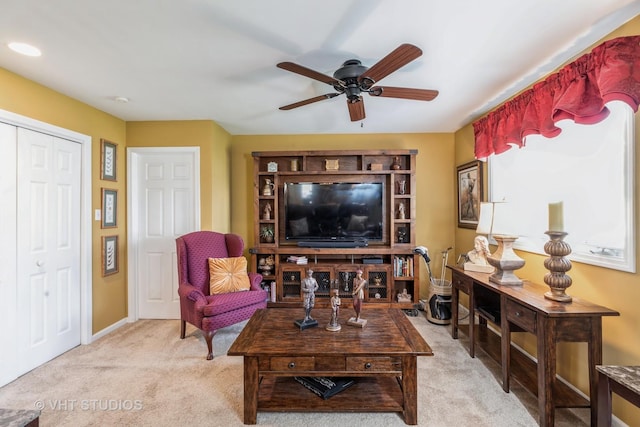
(144, 375)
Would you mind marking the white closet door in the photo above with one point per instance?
(48, 247)
(8, 356)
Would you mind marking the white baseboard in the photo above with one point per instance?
(109, 329)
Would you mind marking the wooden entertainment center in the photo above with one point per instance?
(388, 261)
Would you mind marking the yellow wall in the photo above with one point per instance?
(214, 165)
(611, 288)
(434, 178)
(24, 97)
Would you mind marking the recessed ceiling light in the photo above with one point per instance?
(121, 99)
(24, 49)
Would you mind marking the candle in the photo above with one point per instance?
(556, 217)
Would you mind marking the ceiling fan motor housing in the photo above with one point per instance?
(348, 74)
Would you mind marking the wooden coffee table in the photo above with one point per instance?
(382, 355)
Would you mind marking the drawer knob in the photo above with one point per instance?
(292, 365)
(518, 314)
(367, 365)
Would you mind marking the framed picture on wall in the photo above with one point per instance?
(109, 208)
(109, 255)
(470, 187)
(108, 160)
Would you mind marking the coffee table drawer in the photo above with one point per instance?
(292, 363)
(373, 364)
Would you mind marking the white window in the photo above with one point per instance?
(590, 168)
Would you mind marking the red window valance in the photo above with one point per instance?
(579, 91)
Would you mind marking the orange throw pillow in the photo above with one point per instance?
(228, 275)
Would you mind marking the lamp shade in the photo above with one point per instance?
(485, 221)
(496, 218)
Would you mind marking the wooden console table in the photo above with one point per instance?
(525, 309)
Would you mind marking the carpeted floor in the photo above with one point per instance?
(144, 375)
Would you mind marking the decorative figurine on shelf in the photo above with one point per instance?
(309, 288)
(345, 280)
(333, 325)
(402, 235)
(401, 187)
(267, 190)
(359, 284)
(401, 211)
(404, 296)
(396, 163)
(266, 212)
(477, 258)
(266, 265)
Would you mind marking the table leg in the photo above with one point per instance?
(410, 389)
(250, 389)
(472, 322)
(595, 358)
(455, 297)
(505, 345)
(546, 370)
(604, 401)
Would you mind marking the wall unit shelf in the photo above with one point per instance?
(335, 267)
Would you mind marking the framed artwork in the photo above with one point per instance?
(109, 208)
(470, 187)
(108, 160)
(109, 255)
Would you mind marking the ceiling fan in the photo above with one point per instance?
(353, 79)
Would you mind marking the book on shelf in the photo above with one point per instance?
(326, 387)
(297, 259)
(403, 266)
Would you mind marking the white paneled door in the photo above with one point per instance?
(164, 203)
(48, 246)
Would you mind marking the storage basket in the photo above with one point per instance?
(439, 302)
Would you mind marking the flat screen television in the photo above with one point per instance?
(333, 211)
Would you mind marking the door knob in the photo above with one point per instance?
(39, 263)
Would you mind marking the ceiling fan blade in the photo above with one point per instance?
(404, 92)
(309, 101)
(356, 109)
(308, 72)
(400, 57)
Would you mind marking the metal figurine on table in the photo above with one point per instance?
(359, 284)
(333, 325)
(309, 288)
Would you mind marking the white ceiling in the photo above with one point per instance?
(216, 59)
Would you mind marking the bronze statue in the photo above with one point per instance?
(309, 288)
(359, 284)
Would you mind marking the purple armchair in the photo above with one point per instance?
(212, 312)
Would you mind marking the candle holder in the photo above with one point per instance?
(557, 265)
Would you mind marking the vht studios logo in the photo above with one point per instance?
(89, 405)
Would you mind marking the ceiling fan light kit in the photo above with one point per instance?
(353, 78)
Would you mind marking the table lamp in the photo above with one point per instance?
(496, 219)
